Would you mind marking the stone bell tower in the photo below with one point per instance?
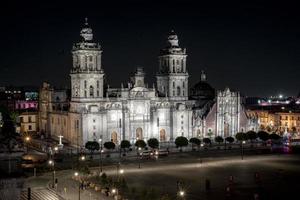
(172, 77)
(87, 73)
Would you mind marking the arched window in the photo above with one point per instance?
(173, 62)
(183, 84)
(91, 91)
(173, 84)
(178, 91)
(85, 84)
(84, 93)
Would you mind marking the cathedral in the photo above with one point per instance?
(135, 111)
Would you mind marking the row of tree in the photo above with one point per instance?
(183, 141)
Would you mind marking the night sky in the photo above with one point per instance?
(250, 47)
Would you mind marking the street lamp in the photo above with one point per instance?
(27, 139)
(243, 142)
(76, 174)
(181, 193)
(139, 156)
(82, 158)
(100, 160)
(51, 163)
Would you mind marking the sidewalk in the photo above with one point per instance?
(69, 189)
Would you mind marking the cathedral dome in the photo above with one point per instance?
(202, 89)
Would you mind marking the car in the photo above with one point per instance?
(145, 154)
(162, 152)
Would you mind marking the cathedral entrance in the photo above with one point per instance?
(226, 129)
(162, 135)
(114, 137)
(139, 133)
(199, 133)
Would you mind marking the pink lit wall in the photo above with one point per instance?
(22, 104)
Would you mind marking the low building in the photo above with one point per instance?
(28, 123)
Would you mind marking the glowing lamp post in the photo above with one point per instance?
(243, 142)
(181, 194)
(51, 163)
(27, 140)
(76, 174)
(100, 160)
(139, 156)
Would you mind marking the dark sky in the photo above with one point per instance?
(250, 47)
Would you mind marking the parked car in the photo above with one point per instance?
(146, 154)
(162, 152)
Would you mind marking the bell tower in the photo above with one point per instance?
(172, 77)
(87, 73)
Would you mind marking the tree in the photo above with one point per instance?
(274, 136)
(153, 143)
(92, 146)
(251, 135)
(219, 139)
(181, 142)
(241, 136)
(195, 141)
(140, 143)
(264, 136)
(109, 145)
(125, 144)
(229, 139)
(206, 141)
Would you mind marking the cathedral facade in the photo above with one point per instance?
(135, 111)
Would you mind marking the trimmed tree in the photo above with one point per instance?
(125, 144)
(140, 143)
(206, 141)
(92, 146)
(195, 141)
(109, 146)
(153, 143)
(181, 142)
(219, 139)
(251, 135)
(274, 136)
(241, 136)
(230, 140)
(263, 135)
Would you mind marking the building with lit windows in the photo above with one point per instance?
(135, 111)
